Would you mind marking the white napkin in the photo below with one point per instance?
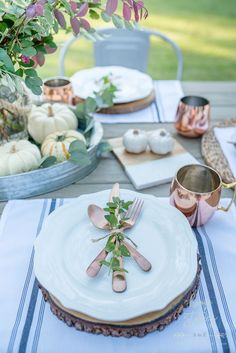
(27, 324)
(224, 135)
(168, 94)
(147, 115)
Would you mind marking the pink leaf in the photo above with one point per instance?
(127, 12)
(50, 50)
(39, 9)
(35, 62)
(73, 6)
(111, 6)
(75, 24)
(60, 18)
(140, 5)
(136, 14)
(83, 10)
(40, 59)
(30, 11)
(85, 24)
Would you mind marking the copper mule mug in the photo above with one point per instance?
(192, 116)
(196, 191)
(58, 89)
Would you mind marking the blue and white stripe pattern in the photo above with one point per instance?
(27, 325)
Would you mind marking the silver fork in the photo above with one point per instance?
(133, 213)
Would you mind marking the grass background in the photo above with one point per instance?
(204, 29)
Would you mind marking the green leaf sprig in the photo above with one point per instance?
(103, 98)
(116, 216)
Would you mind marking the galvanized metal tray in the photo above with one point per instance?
(41, 181)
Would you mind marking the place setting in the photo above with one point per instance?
(149, 102)
(117, 270)
(134, 251)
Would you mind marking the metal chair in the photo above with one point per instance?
(124, 48)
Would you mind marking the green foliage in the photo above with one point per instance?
(116, 212)
(115, 216)
(6, 61)
(102, 98)
(78, 153)
(104, 147)
(48, 162)
(27, 29)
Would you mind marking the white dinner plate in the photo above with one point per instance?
(63, 251)
(132, 84)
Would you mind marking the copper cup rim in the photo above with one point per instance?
(57, 78)
(195, 192)
(189, 101)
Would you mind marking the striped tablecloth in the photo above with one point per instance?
(27, 324)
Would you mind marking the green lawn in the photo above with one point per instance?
(204, 29)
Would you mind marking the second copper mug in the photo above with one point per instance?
(192, 116)
(196, 191)
(58, 89)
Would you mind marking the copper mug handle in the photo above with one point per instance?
(228, 186)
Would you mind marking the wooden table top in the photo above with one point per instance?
(222, 96)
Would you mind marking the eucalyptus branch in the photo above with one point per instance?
(115, 215)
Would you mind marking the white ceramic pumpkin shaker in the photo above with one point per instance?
(161, 142)
(135, 141)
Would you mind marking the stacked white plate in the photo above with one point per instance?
(63, 251)
(132, 85)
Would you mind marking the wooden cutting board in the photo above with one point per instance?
(124, 108)
(148, 169)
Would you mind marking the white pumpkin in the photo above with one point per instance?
(135, 141)
(57, 144)
(18, 157)
(48, 118)
(161, 142)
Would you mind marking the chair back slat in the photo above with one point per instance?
(123, 48)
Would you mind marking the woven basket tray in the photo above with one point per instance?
(213, 154)
(139, 326)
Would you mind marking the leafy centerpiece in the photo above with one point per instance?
(27, 29)
(47, 133)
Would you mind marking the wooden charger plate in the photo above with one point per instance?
(124, 108)
(139, 326)
(213, 154)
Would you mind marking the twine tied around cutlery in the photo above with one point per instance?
(120, 216)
